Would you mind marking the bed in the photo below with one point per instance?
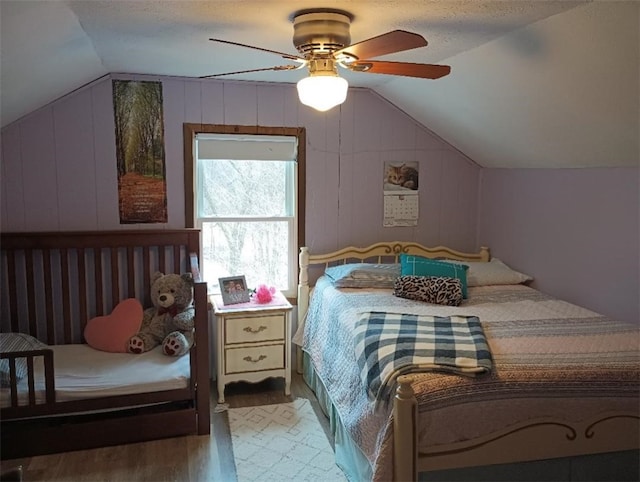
(75, 397)
(564, 380)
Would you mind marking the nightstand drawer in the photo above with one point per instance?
(254, 328)
(268, 357)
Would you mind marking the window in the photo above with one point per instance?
(246, 201)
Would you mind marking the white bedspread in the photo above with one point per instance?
(83, 372)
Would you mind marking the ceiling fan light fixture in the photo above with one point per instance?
(323, 40)
(322, 92)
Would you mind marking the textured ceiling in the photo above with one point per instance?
(547, 83)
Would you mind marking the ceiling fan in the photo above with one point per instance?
(323, 41)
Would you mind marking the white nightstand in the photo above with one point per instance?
(253, 342)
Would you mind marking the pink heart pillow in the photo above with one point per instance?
(112, 332)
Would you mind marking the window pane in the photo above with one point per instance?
(257, 250)
(244, 188)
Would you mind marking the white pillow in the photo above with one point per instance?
(495, 272)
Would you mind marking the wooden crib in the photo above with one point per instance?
(52, 284)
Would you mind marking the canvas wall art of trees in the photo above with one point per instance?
(140, 155)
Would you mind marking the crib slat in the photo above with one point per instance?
(14, 383)
(48, 296)
(162, 254)
(13, 295)
(50, 393)
(131, 273)
(66, 300)
(82, 283)
(176, 260)
(31, 382)
(97, 255)
(146, 271)
(31, 294)
(115, 278)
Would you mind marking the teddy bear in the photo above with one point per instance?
(170, 322)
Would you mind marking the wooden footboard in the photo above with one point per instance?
(526, 441)
(52, 284)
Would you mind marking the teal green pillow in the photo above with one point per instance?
(411, 265)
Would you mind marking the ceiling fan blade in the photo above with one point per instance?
(281, 54)
(406, 69)
(277, 67)
(387, 43)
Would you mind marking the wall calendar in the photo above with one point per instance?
(400, 210)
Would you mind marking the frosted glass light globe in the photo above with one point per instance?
(322, 92)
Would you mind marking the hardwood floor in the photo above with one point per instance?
(193, 458)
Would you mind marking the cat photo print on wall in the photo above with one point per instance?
(400, 176)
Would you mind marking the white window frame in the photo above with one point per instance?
(296, 230)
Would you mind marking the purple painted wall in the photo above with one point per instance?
(59, 169)
(568, 228)
(576, 231)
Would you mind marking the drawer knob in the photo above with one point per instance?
(248, 329)
(259, 359)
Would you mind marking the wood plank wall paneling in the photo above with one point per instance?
(431, 196)
(321, 222)
(212, 99)
(292, 107)
(174, 97)
(270, 105)
(104, 156)
(12, 179)
(3, 193)
(40, 177)
(74, 159)
(402, 136)
(240, 104)
(192, 100)
(75, 165)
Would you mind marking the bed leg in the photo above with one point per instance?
(299, 360)
(303, 297)
(405, 435)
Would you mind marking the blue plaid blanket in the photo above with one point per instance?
(389, 345)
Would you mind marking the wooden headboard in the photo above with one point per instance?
(53, 283)
(389, 252)
(384, 252)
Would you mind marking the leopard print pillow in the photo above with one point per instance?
(431, 289)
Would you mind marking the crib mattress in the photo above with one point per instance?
(82, 372)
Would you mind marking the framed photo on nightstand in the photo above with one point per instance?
(234, 290)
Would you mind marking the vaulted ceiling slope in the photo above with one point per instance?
(541, 83)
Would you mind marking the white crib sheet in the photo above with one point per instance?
(83, 372)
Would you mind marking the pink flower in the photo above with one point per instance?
(264, 293)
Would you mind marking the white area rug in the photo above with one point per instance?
(281, 442)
